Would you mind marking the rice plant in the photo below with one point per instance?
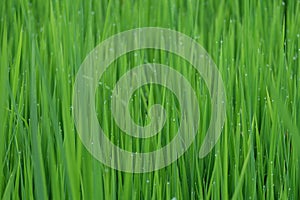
(254, 44)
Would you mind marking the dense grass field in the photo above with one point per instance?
(256, 47)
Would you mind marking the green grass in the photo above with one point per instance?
(256, 46)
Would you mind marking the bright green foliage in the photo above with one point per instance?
(256, 46)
